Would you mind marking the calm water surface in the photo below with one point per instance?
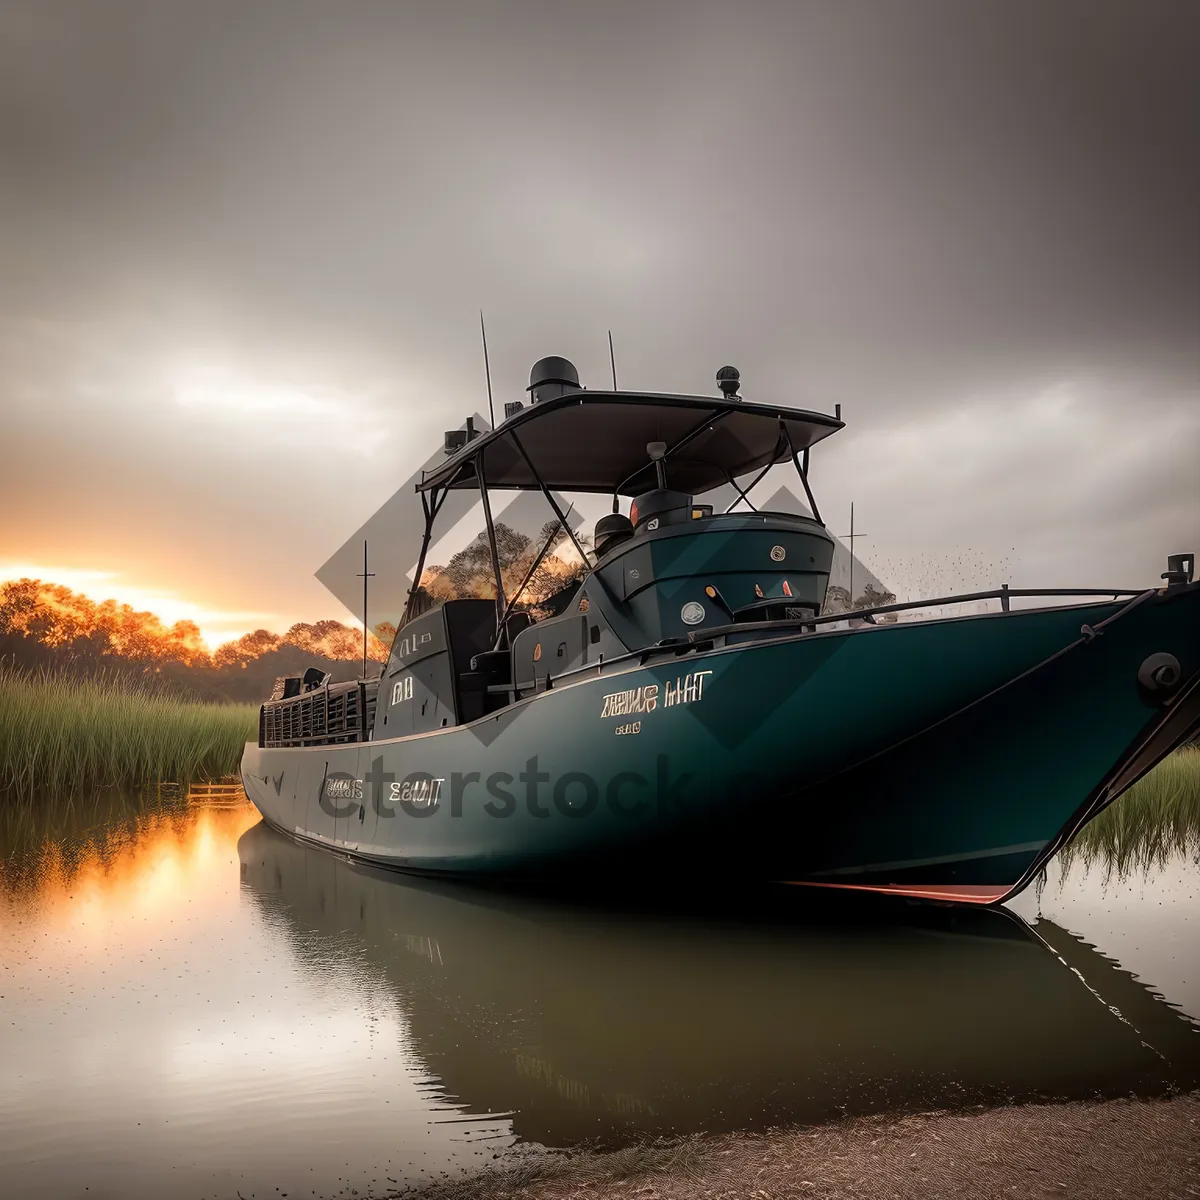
(193, 1005)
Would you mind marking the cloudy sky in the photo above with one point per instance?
(243, 249)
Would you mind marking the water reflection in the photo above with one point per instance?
(583, 1022)
(1147, 920)
(195, 1005)
(46, 843)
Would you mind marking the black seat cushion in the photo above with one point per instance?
(491, 661)
(611, 530)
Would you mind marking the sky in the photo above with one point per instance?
(244, 247)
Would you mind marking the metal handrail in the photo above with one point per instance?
(699, 637)
(1002, 593)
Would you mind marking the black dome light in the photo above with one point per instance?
(552, 377)
(727, 380)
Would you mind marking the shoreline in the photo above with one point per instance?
(1119, 1149)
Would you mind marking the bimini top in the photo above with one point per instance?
(596, 442)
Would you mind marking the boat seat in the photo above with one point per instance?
(662, 506)
(314, 678)
(611, 530)
(492, 662)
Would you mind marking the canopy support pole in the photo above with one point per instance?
(431, 503)
(753, 484)
(491, 536)
(558, 512)
(733, 483)
(802, 471)
(537, 562)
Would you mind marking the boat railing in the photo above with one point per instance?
(1004, 594)
(703, 639)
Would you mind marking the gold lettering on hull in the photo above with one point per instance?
(684, 689)
(635, 700)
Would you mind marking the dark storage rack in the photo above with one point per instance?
(329, 715)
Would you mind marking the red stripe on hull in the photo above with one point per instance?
(962, 893)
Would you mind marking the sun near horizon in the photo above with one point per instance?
(217, 626)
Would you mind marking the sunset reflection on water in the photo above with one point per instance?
(130, 874)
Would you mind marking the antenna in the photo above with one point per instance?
(365, 576)
(487, 370)
(852, 535)
(612, 358)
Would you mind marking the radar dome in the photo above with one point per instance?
(552, 377)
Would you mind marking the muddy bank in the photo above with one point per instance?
(1119, 1149)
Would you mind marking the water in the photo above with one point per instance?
(193, 1005)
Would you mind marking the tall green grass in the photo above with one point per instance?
(1156, 820)
(61, 735)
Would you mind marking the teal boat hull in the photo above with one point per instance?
(945, 759)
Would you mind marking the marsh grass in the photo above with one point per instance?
(61, 735)
(1156, 820)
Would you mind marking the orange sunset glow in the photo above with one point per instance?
(59, 618)
(217, 625)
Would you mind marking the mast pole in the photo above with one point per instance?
(365, 575)
(612, 358)
(852, 535)
(851, 553)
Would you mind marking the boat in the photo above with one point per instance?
(688, 709)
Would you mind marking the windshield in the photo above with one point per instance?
(539, 566)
